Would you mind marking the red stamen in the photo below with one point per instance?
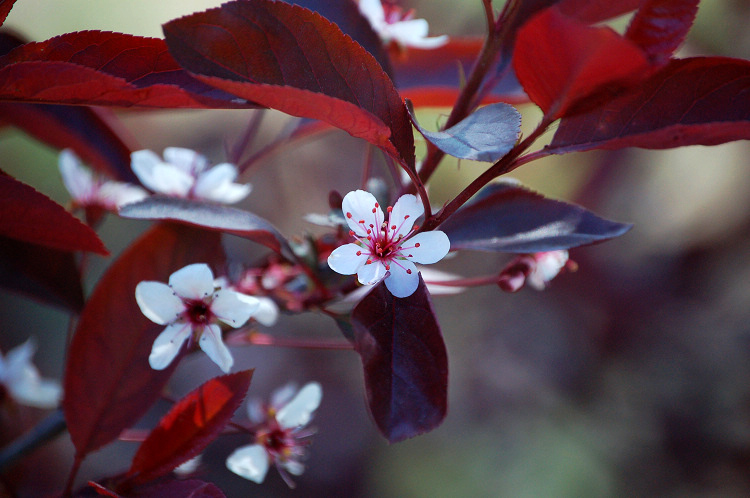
(416, 245)
(390, 208)
(393, 227)
(377, 206)
(359, 253)
(348, 215)
(408, 271)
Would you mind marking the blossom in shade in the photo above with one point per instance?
(386, 248)
(537, 270)
(393, 25)
(185, 173)
(20, 379)
(281, 435)
(90, 191)
(191, 307)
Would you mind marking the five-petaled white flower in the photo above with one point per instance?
(191, 306)
(185, 173)
(391, 24)
(21, 379)
(88, 190)
(280, 434)
(386, 248)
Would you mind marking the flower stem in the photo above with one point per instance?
(260, 339)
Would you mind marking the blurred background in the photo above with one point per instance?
(630, 377)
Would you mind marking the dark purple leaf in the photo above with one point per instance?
(47, 275)
(593, 11)
(660, 26)
(696, 101)
(209, 215)
(189, 426)
(109, 383)
(404, 359)
(30, 216)
(5, 6)
(487, 134)
(103, 68)
(291, 59)
(509, 218)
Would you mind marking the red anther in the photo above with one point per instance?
(405, 217)
(369, 231)
(351, 232)
(393, 227)
(375, 208)
(416, 245)
(369, 262)
(359, 253)
(362, 222)
(348, 215)
(390, 208)
(408, 271)
(410, 256)
(416, 227)
(387, 267)
(369, 238)
(372, 226)
(377, 205)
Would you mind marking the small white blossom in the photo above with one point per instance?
(191, 306)
(280, 434)
(185, 173)
(392, 25)
(386, 248)
(21, 379)
(537, 270)
(88, 190)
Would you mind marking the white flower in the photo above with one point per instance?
(386, 248)
(398, 27)
(191, 306)
(22, 381)
(88, 190)
(548, 266)
(185, 173)
(280, 434)
(537, 270)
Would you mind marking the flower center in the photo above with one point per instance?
(199, 312)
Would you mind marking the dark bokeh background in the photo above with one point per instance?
(627, 378)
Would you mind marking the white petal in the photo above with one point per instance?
(345, 260)
(429, 42)
(229, 193)
(413, 33)
(18, 358)
(170, 180)
(250, 462)
(293, 467)
(158, 302)
(400, 282)
(234, 308)
(31, 390)
(114, 195)
(359, 204)
(432, 279)
(211, 343)
(372, 10)
(371, 274)
(299, 410)
(143, 163)
(268, 311)
(168, 344)
(77, 179)
(283, 395)
(186, 160)
(194, 281)
(433, 246)
(215, 177)
(405, 212)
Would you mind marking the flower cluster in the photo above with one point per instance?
(386, 248)
(191, 307)
(185, 173)
(281, 435)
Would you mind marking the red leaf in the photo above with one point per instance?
(660, 26)
(696, 101)
(48, 275)
(404, 359)
(189, 426)
(189, 488)
(291, 59)
(108, 381)
(560, 61)
(5, 6)
(103, 68)
(27, 215)
(593, 11)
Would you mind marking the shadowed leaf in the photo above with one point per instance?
(510, 218)
(404, 360)
(660, 26)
